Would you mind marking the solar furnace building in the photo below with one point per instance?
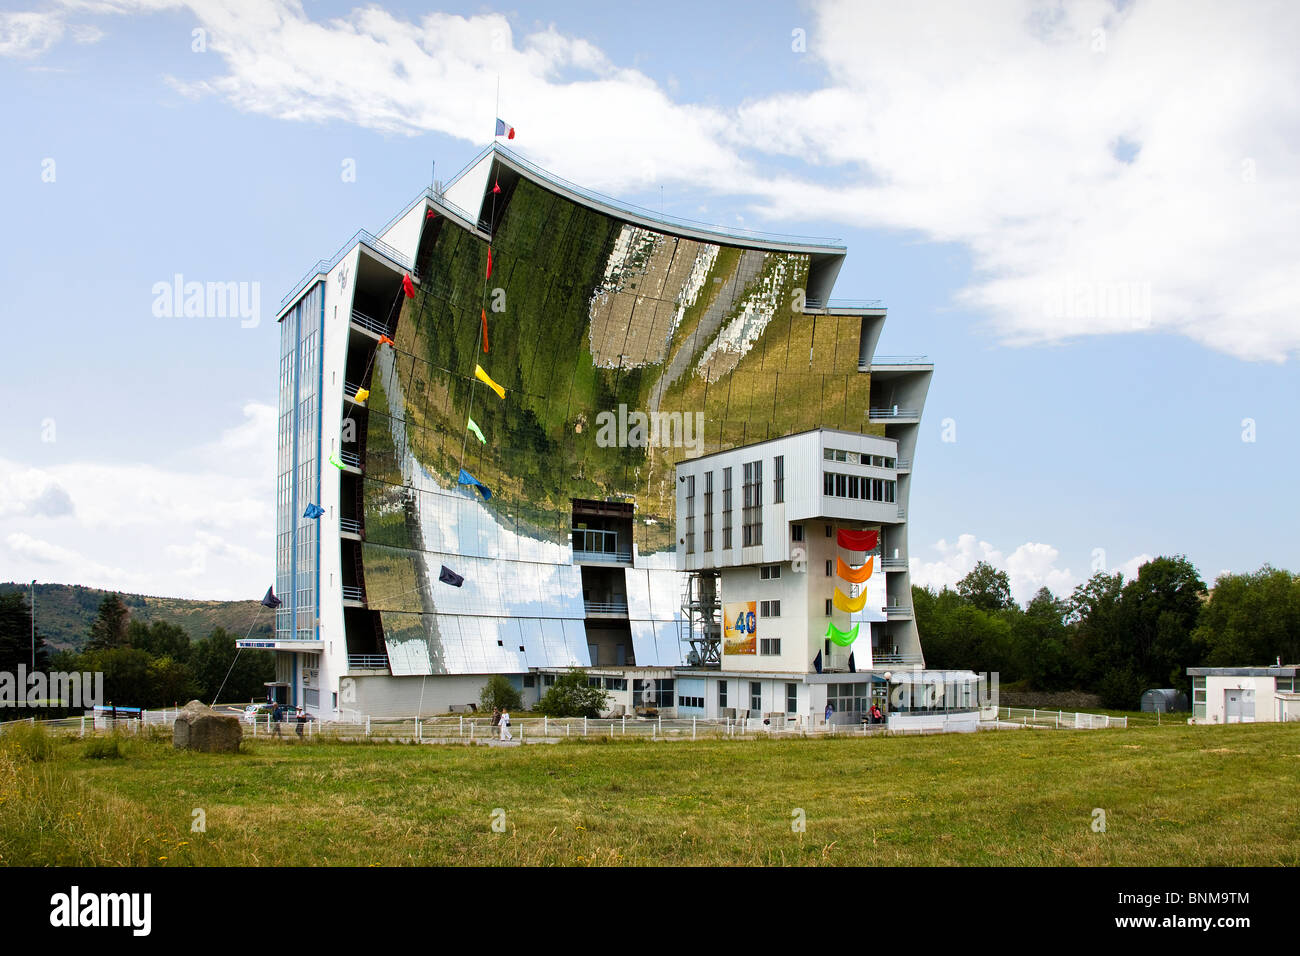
(491, 445)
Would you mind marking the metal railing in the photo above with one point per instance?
(622, 557)
(350, 525)
(900, 611)
(605, 607)
(350, 458)
(323, 266)
(370, 324)
(902, 512)
(830, 305)
(894, 411)
(893, 564)
(351, 593)
(350, 390)
(900, 360)
(903, 464)
(894, 659)
(367, 662)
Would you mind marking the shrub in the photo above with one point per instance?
(499, 692)
(571, 696)
(104, 748)
(29, 741)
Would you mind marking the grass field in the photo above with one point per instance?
(1172, 795)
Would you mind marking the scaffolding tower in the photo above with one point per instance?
(702, 618)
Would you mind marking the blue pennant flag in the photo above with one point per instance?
(271, 600)
(448, 576)
(817, 662)
(853, 668)
(467, 479)
(313, 511)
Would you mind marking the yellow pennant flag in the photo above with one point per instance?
(486, 379)
(363, 394)
(846, 603)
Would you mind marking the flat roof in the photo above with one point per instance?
(768, 441)
(1285, 670)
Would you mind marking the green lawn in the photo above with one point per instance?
(1172, 795)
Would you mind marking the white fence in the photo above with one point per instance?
(999, 718)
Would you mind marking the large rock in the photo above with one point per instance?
(199, 727)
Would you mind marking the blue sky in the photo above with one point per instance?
(971, 164)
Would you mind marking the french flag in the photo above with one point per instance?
(505, 129)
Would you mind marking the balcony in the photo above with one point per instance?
(354, 596)
(350, 458)
(598, 547)
(615, 606)
(894, 414)
(894, 564)
(368, 324)
(903, 464)
(899, 612)
(891, 657)
(350, 390)
(350, 528)
(367, 662)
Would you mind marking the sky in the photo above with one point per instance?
(1085, 214)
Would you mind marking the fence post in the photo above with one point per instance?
(661, 723)
(546, 725)
(693, 723)
(584, 726)
(625, 725)
(83, 725)
(418, 734)
(460, 732)
(367, 725)
(568, 728)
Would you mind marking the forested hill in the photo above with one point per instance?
(64, 613)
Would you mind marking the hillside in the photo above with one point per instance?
(64, 613)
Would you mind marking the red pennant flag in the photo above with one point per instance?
(385, 340)
(430, 215)
(489, 273)
(496, 187)
(485, 340)
(408, 287)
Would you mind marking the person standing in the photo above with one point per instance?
(301, 719)
(277, 721)
(505, 725)
(830, 710)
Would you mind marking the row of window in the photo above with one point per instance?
(853, 486)
(752, 505)
(691, 702)
(859, 458)
(756, 696)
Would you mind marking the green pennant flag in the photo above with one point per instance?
(474, 428)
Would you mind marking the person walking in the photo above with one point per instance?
(830, 710)
(505, 725)
(277, 721)
(301, 719)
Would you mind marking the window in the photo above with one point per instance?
(708, 511)
(830, 567)
(769, 645)
(796, 532)
(792, 698)
(722, 695)
(726, 507)
(769, 608)
(752, 493)
(593, 682)
(778, 480)
(853, 486)
(691, 702)
(755, 695)
(660, 693)
(769, 572)
(530, 680)
(828, 483)
(829, 533)
(548, 680)
(1198, 697)
(690, 514)
(828, 454)
(615, 683)
(841, 486)
(847, 698)
(828, 614)
(841, 455)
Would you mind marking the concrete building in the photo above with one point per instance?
(1245, 695)
(483, 406)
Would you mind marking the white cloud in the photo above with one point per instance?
(1030, 566)
(203, 529)
(28, 35)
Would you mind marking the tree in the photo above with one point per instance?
(1252, 619)
(1157, 613)
(986, 587)
(572, 696)
(16, 634)
(159, 638)
(211, 659)
(499, 692)
(1040, 643)
(109, 629)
